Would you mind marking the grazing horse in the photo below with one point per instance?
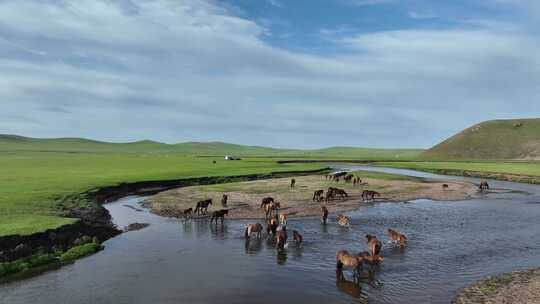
(265, 201)
(293, 182)
(397, 237)
(253, 228)
(351, 260)
(343, 220)
(187, 212)
(318, 195)
(348, 178)
(224, 199)
(271, 208)
(374, 244)
(483, 186)
(202, 206)
(281, 238)
(369, 195)
(297, 237)
(341, 194)
(271, 226)
(282, 219)
(220, 214)
(324, 211)
(330, 194)
(445, 186)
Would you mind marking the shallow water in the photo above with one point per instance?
(451, 244)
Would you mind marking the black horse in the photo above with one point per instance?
(202, 206)
(220, 214)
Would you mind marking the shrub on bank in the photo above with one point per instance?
(80, 251)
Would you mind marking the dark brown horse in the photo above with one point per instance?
(318, 195)
(324, 214)
(348, 178)
(369, 195)
(281, 238)
(293, 183)
(224, 199)
(374, 244)
(188, 212)
(297, 237)
(220, 214)
(445, 186)
(483, 186)
(271, 208)
(266, 201)
(202, 206)
(253, 228)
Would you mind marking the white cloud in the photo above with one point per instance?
(276, 3)
(190, 70)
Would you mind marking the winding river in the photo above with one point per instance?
(451, 244)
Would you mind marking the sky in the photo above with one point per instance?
(281, 73)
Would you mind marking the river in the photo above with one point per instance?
(451, 244)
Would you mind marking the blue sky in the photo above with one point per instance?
(304, 74)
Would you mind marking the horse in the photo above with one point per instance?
(271, 208)
(397, 237)
(202, 206)
(445, 186)
(341, 194)
(343, 220)
(220, 214)
(187, 212)
(374, 244)
(282, 219)
(371, 259)
(297, 237)
(317, 195)
(224, 199)
(324, 211)
(369, 195)
(293, 182)
(351, 260)
(330, 194)
(266, 201)
(253, 228)
(348, 178)
(281, 238)
(271, 226)
(483, 186)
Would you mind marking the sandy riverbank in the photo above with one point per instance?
(245, 197)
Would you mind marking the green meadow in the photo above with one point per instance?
(517, 167)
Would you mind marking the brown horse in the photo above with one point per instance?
(371, 259)
(224, 199)
(397, 237)
(253, 228)
(483, 186)
(293, 183)
(374, 244)
(445, 186)
(265, 201)
(324, 215)
(202, 206)
(369, 195)
(220, 214)
(341, 194)
(318, 195)
(282, 219)
(271, 226)
(351, 260)
(297, 237)
(281, 238)
(187, 212)
(343, 220)
(271, 208)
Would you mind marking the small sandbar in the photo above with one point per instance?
(245, 197)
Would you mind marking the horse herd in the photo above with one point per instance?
(276, 223)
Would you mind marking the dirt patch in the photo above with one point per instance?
(245, 197)
(515, 287)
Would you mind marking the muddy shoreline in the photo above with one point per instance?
(96, 221)
(521, 286)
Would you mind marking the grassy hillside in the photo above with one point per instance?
(13, 143)
(517, 139)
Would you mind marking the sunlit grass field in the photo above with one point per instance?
(519, 168)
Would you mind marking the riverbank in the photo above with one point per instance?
(514, 287)
(245, 197)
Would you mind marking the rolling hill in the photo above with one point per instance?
(515, 139)
(15, 143)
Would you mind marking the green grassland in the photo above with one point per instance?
(33, 183)
(518, 168)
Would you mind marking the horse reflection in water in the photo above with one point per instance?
(219, 231)
(281, 257)
(352, 288)
(252, 247)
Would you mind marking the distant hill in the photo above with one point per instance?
(13, 143)
(515, 139)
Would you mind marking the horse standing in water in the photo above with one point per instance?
(483, 186)
(347, 259)
(253, 228)
(324, 214)
(343, 220)
(374, 244)
(297, 237)
(271, 226)
(220, 214)
(397, 237)
(281, 238)
(202, 206)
